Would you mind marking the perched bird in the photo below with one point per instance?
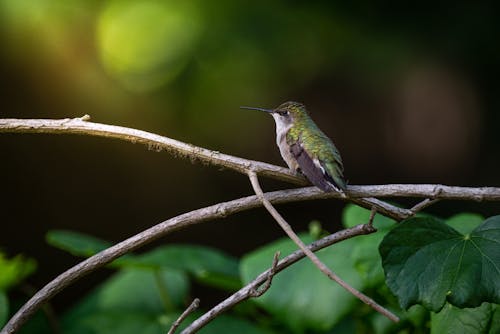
(305, 148)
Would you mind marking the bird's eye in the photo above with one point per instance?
(283, 112)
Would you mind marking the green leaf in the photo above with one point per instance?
(465, 222)
(354, 215)
(131, 301)
(14, 270)
(365, 259)
(469, 320)
(231, 324)
(4, 308)
(428, 262)
(208, 266)
(134, 290)
(78, 244)
(495, 321)
(301, 296)
(118, 322)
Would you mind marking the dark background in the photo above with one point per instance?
(409, 94)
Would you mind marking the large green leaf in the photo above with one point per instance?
(207, 265)
(231, 324)
(14, 270)
(428, 262)
(4, 308)
(301, 296)
(131, 291)
(365, 259)
(138, 301)
(141, 322)
(453, 320)
(495, 321)
(107, 322)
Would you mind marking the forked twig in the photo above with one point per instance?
(193, 306)
(257, 292)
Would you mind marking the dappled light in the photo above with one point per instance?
(146, 44)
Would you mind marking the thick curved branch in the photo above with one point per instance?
(91, 264)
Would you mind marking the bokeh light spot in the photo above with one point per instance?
(146, 44)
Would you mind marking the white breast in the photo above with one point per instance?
(281, 131)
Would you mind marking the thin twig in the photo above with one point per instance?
(267, 284)
(245, 292)
(194, 305)
(316, 261)
(373, 212)
(423, 204)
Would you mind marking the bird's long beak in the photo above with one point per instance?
(270, 111)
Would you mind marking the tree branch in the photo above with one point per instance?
(83, 127)
(314, 259)
(361, 195)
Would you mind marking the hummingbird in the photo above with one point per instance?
(305, 148)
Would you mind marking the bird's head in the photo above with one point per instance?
(286, 113)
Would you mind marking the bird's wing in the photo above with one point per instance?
(313, 169)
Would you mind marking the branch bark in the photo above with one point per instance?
(361, 195)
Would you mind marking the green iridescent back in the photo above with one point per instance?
(314, 141)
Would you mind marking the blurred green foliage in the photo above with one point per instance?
(14, 270)
(150, 290)
(144, 63)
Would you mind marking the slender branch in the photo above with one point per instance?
(373, 212)
(315, 259)
(84, 127)
(423, 204)
(194, 305)
(246, 291)
(434, 191)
